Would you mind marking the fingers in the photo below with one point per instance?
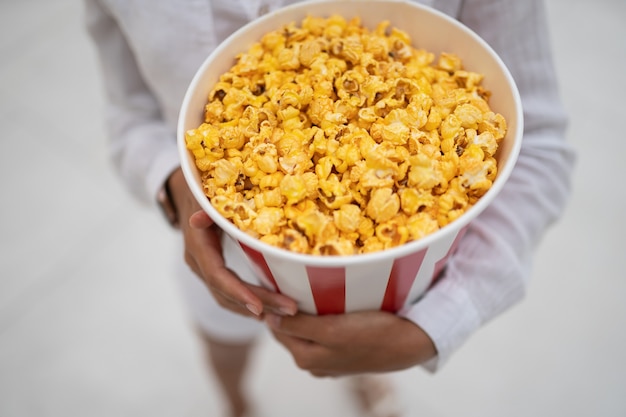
(230, 292)
(203, 253)
(368, 341)
(326, 329)
(275, 302)
(200, 220)
(275, 323)
(319, 360)
(222, 295)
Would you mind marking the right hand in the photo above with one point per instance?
(203, 254)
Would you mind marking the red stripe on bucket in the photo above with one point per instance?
(441, 263)
(328, 286)
(258, 260)
(403, 273)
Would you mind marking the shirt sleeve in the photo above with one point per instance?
(143, 148)
(489, 272)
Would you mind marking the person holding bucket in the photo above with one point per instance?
(149, 52)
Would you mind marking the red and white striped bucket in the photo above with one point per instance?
(393, 278)
(383, 283)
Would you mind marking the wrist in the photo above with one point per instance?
(167, 205)
(181, 197)
(421, 347)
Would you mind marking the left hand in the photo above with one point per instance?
(369, 341)
(203, 254)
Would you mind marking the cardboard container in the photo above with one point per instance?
(392, 278)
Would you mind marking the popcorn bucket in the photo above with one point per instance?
(393, 278)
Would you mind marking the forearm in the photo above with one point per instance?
(490, 270)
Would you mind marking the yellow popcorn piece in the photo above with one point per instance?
(383, 205)
(266, 157)
(329, 138)
(271, 197)
(293, 188)
(268, 220)
(311, 223)
(348, 218)
(393, 232)
(225, 172)
(478, 171)
(449, 62)
(420, 225)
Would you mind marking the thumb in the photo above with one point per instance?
(200, 220)
(320, 329)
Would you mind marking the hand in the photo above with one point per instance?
(203, 254)
(369, 341)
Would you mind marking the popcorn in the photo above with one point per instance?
(331, 139)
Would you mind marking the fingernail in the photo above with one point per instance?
(287, 311)
(253, 309)
(273, 320)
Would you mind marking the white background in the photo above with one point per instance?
(90, 319)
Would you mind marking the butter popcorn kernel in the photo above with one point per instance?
(329, 138)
